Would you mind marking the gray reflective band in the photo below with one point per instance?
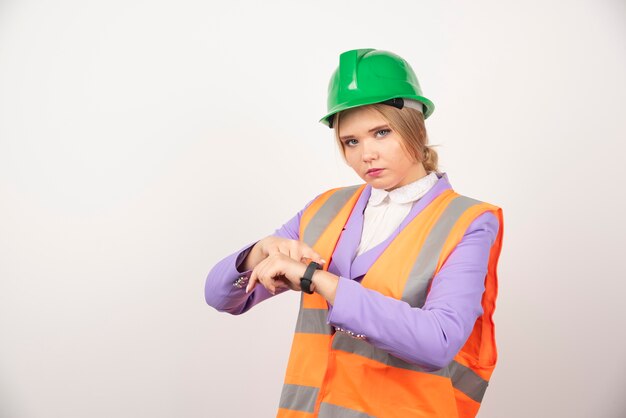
(463, 378)
(423, 270)
(328, 410)
(298, 398)
(313, 321)
(467, 381)
(348, 344)
(326, 214)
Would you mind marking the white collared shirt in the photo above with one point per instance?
(385, 210)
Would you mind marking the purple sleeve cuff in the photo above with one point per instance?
(342, 299)
(242, 256)
(225, 285)
(433, 335)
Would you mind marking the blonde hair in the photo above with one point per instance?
(409, 124)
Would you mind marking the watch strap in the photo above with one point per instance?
(307, 279)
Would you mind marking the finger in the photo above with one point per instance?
(296, 252)
(283, 248)
(280, 284)
(274, 246)
(254, 277)
(263, 276)
(313, 256)
(272, 273)
(251, 282)
(268, 283)
(310, 253)
(269, 244)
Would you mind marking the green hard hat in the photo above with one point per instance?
(367, 76)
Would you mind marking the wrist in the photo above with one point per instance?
(326, 285)
(262, 249)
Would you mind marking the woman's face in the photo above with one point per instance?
(375, 152)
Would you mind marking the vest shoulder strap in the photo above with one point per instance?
(325, 209)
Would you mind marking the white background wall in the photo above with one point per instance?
(142, 141)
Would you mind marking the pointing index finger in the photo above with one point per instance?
(251, 282)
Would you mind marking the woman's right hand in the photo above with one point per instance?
(294, 249)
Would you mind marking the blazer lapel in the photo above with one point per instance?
(350, 238)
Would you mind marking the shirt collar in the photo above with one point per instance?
(405, 194)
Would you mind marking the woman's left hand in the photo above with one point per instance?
(277, 271)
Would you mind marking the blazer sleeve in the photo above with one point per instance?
(432, 335)
(220, 290)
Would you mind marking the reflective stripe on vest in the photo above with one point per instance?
(329, 208)
(334, 375)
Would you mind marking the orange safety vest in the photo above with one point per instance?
(333, 374)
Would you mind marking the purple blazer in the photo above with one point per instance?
(429, 336)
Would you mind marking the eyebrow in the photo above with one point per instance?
(371, 130)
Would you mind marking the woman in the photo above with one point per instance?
(398, 275)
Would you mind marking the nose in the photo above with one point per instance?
(369, 152)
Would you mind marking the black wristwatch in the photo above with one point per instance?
(306, 280)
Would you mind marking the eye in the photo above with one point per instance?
(350, 142)
(382, 132)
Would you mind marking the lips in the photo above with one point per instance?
(374, 171)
